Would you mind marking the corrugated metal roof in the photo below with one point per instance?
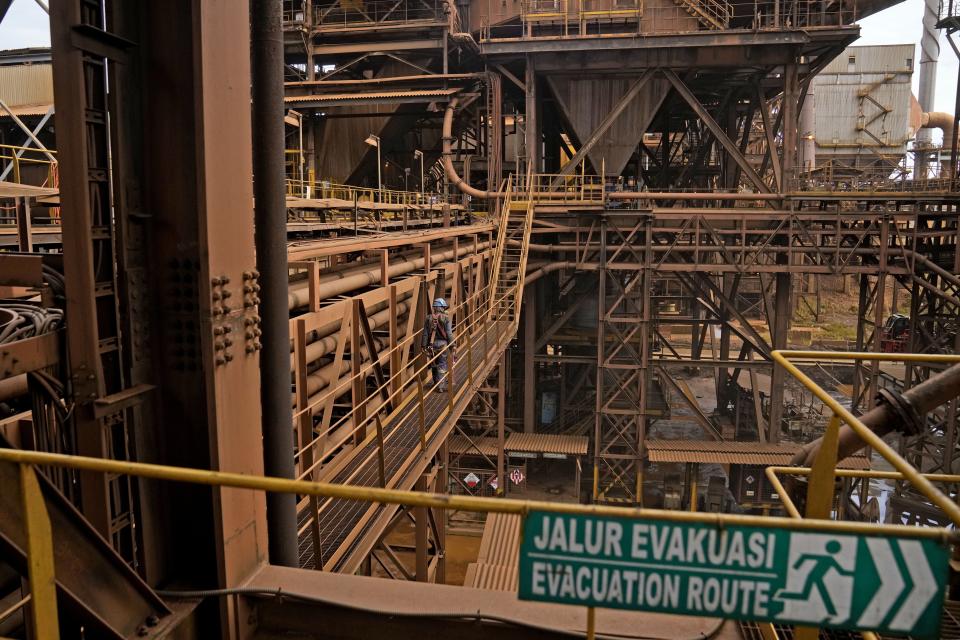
(497, 562)
(25, 110)
(521, 443)
(547, 443)
(491, 577)
(501, 539)
(461, 445)
(16, 190)
(750, 453)
(22, 84)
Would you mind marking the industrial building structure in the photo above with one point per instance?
(626, 204)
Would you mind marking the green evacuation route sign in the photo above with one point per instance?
(748, 573)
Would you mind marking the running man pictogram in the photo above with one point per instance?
(816, 577)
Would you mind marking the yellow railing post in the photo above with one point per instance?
(820, 489)
(40, 570)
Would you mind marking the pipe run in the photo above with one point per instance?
(447, 156)
(299, 292)
(939, 120)
(904, 413)
(681, 195)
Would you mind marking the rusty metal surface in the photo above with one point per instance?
(498, 559)
(21, 269)
(29, 354)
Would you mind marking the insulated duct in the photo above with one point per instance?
(936, 120)
(929, 54)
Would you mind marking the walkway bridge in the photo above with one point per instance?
(395, 422)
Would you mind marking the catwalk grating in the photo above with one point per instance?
(339, 518)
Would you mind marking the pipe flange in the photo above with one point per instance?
(910, 422)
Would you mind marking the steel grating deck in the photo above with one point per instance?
(339, 517)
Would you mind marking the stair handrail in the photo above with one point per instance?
(501, 242)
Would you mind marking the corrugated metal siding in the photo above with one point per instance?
(26, 84)
(884, 73)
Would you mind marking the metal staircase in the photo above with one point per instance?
(713, 14)
(510, 259)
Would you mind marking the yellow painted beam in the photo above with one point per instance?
(40, 571)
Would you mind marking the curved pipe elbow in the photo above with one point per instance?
(938, 120)
(448, 168)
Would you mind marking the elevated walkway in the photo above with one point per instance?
(400, 436)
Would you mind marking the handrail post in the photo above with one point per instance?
(40, 569)
(420, 410)
(820, 491)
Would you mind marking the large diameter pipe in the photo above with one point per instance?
(447, 155)
(888, 416)
(808, 130)
(270, 218)
(300, 296)
(929, 54)
(937, 120)
(328, 343)
(14, 387)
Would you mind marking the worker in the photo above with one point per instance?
(437, 336)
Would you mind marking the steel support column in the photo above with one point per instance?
(531, 120)
(779, 327)
(529, 366)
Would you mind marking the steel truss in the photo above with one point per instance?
(623, 356)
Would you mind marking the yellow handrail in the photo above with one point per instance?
(448, 501)
(910, 473)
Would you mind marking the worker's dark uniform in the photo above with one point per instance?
(437, 336)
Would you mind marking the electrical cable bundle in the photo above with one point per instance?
(28, 321)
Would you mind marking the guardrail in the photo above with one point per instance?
(42, 572)
(821, 489)
(22, 158)
(323, 189)
(891, 179)
(552, 19)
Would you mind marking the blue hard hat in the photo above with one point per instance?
(440, 302)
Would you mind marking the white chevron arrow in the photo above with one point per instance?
(891, 583)
(924, 586)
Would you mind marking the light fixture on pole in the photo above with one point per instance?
(374, 141)
(419, 154)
